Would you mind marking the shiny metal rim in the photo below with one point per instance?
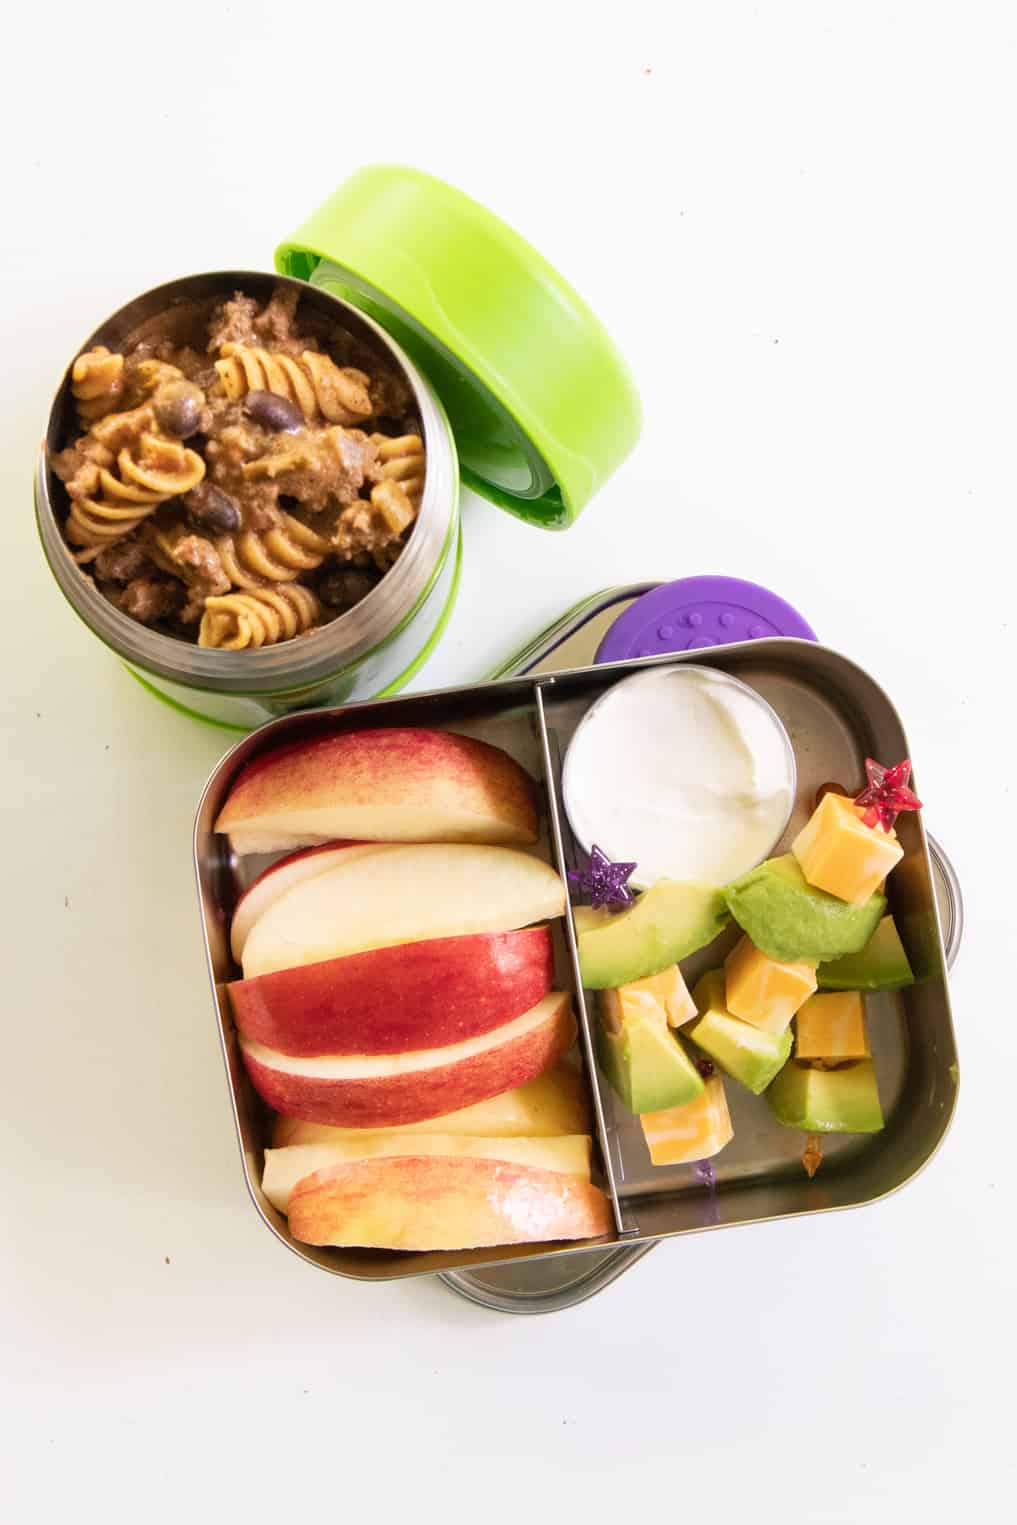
(950, 902)
(569, 1294)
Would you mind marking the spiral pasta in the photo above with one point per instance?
(260, 617)
(397, 496)
(97, 383)
(106, 505)
(276, 555)
(207, 512)
(319, 387)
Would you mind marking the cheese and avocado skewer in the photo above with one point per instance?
(790, 920)
(746, 1053)
(842, 1100)
(830, 1084)
(696, 1131)
(669, 921)
(638, 1050)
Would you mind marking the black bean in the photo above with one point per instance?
(177, 407)
(210, 508)
(342, 587)
(275, 413)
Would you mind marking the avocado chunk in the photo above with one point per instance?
(791, 921)
(744, 1052)
(640, 1054)
(881, 965)
(669, 921)
(842, 1100)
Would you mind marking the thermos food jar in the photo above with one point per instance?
(520, 391)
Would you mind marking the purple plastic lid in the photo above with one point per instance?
(697, 612)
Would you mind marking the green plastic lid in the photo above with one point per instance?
(541, 403)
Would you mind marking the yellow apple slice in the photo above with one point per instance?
(285, 1167)
(435, 1202)
(551, 1104)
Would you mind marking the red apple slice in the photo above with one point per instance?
(547, 1106)
(403, 784)
(282, 875)
(569, 1156)
(403, 895)
(435, 1203)
(385, 1090)
(390, 1000)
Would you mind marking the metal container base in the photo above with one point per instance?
(835, 715)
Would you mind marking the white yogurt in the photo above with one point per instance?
(684, 769)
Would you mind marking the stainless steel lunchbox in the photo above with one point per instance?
(835, 715)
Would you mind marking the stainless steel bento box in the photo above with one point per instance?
(835, 715)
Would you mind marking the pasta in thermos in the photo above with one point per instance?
(214, 471)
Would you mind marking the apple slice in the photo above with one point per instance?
(410, 996)
(282, 875)
(404, 895)
(285, 1167)
(403, 784)
(547, 1106)
(385, 1090)
(421, 1202)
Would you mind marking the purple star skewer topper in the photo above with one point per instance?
(704, 1171)
(604, 881)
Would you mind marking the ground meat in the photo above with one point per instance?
(319, 467)
(147, 599)
(274, 327)
(342, 587)
(68, 463)
(241, 321)
(203, 573)
(123, 562)
(390, 394)
(232, 323)
(361, 532)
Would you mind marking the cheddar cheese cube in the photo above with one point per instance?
(666, 992)
(833, 1026)
(762, 991)
(838, 853)
(696, 1131)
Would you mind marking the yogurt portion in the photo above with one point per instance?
(685, 769)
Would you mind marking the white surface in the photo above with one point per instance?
(798, 220)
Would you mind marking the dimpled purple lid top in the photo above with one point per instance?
(697, 612)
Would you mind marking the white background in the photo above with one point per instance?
(798, 221)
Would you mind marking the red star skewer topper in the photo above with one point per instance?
(886, 794)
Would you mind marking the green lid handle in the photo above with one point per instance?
(542, 404)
